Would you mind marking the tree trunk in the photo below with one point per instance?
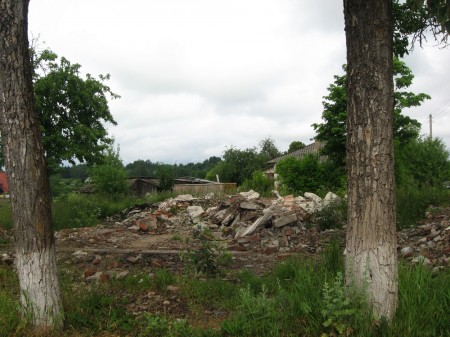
(371, 242)
(26, 169)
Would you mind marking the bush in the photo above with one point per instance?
(412, 203)
(260, 183)
(308, 174)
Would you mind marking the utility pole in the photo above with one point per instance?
(431, 127)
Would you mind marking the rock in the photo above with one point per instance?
(122, 274)
(134, 228)
(288, 201)
(134, 259)
(422, 260)
(185, 197)
(277, 194)
(267, 215)
(89, 272)
(407, 252)
(6, 259)
(172, 288)
(249, 206)
(166, 302)
(95, 277)
(148, 223)
(330, 198)
(313, 197)
(250, 195)
(209, 196)
(195, 212)
(284, 220)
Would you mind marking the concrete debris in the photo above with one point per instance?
(242, 222)
(250, 195)
(195, 212)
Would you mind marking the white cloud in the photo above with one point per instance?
(197, 76)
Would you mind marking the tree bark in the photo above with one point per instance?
(27, 175)
(371, 242)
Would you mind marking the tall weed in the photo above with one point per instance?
(412, 203)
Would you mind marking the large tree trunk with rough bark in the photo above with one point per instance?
(371, 242)
(26, 169)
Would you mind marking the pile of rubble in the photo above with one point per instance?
(243, 222)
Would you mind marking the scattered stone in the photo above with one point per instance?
(134, 259)
(185, 197)
(250, 195)
(249, 206)
(172, 288)
(121, 275)
(285, 220)
(195, 212)
(407, 252)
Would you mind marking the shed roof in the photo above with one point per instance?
(313, 148)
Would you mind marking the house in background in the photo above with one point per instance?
(313, 148)
(144, 185)
(3, 183)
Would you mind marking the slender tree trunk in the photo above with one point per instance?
(371, 243)
(26, 169)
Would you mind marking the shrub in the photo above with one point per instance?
(260, 183)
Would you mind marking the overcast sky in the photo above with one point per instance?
(198, 76)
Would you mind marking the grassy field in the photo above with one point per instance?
(299, 297)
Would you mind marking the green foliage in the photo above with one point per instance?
(257, 316)
(268, 149)
(260, 183)
(239, 165)
(72, 111)
(412, 203)
(436, 17)
(424, 300)
(146, 168)
(109, 177)
(165, 175)
(307, 174)
(332, 216)
(333, 130)
(61, 187)
(75, 210)
(5, 214)
(295, 145)
(423, 162)
(209, 258)
(338, 309)
(163, 278)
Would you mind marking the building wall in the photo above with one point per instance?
(203, 189)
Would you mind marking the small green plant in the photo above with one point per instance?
(163, 278)
(210, 257)
(5, 214)
(332, 216)
(177, 237)
(338, 309)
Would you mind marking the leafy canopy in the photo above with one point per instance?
(333, 130)
(72, 111)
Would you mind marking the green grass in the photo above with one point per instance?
(412, 203)
(5, 214)
(299, 297)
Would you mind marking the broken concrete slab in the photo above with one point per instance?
(250, 195)
(195, 212)
(250, 206)
(267, 215)
(284, 220)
